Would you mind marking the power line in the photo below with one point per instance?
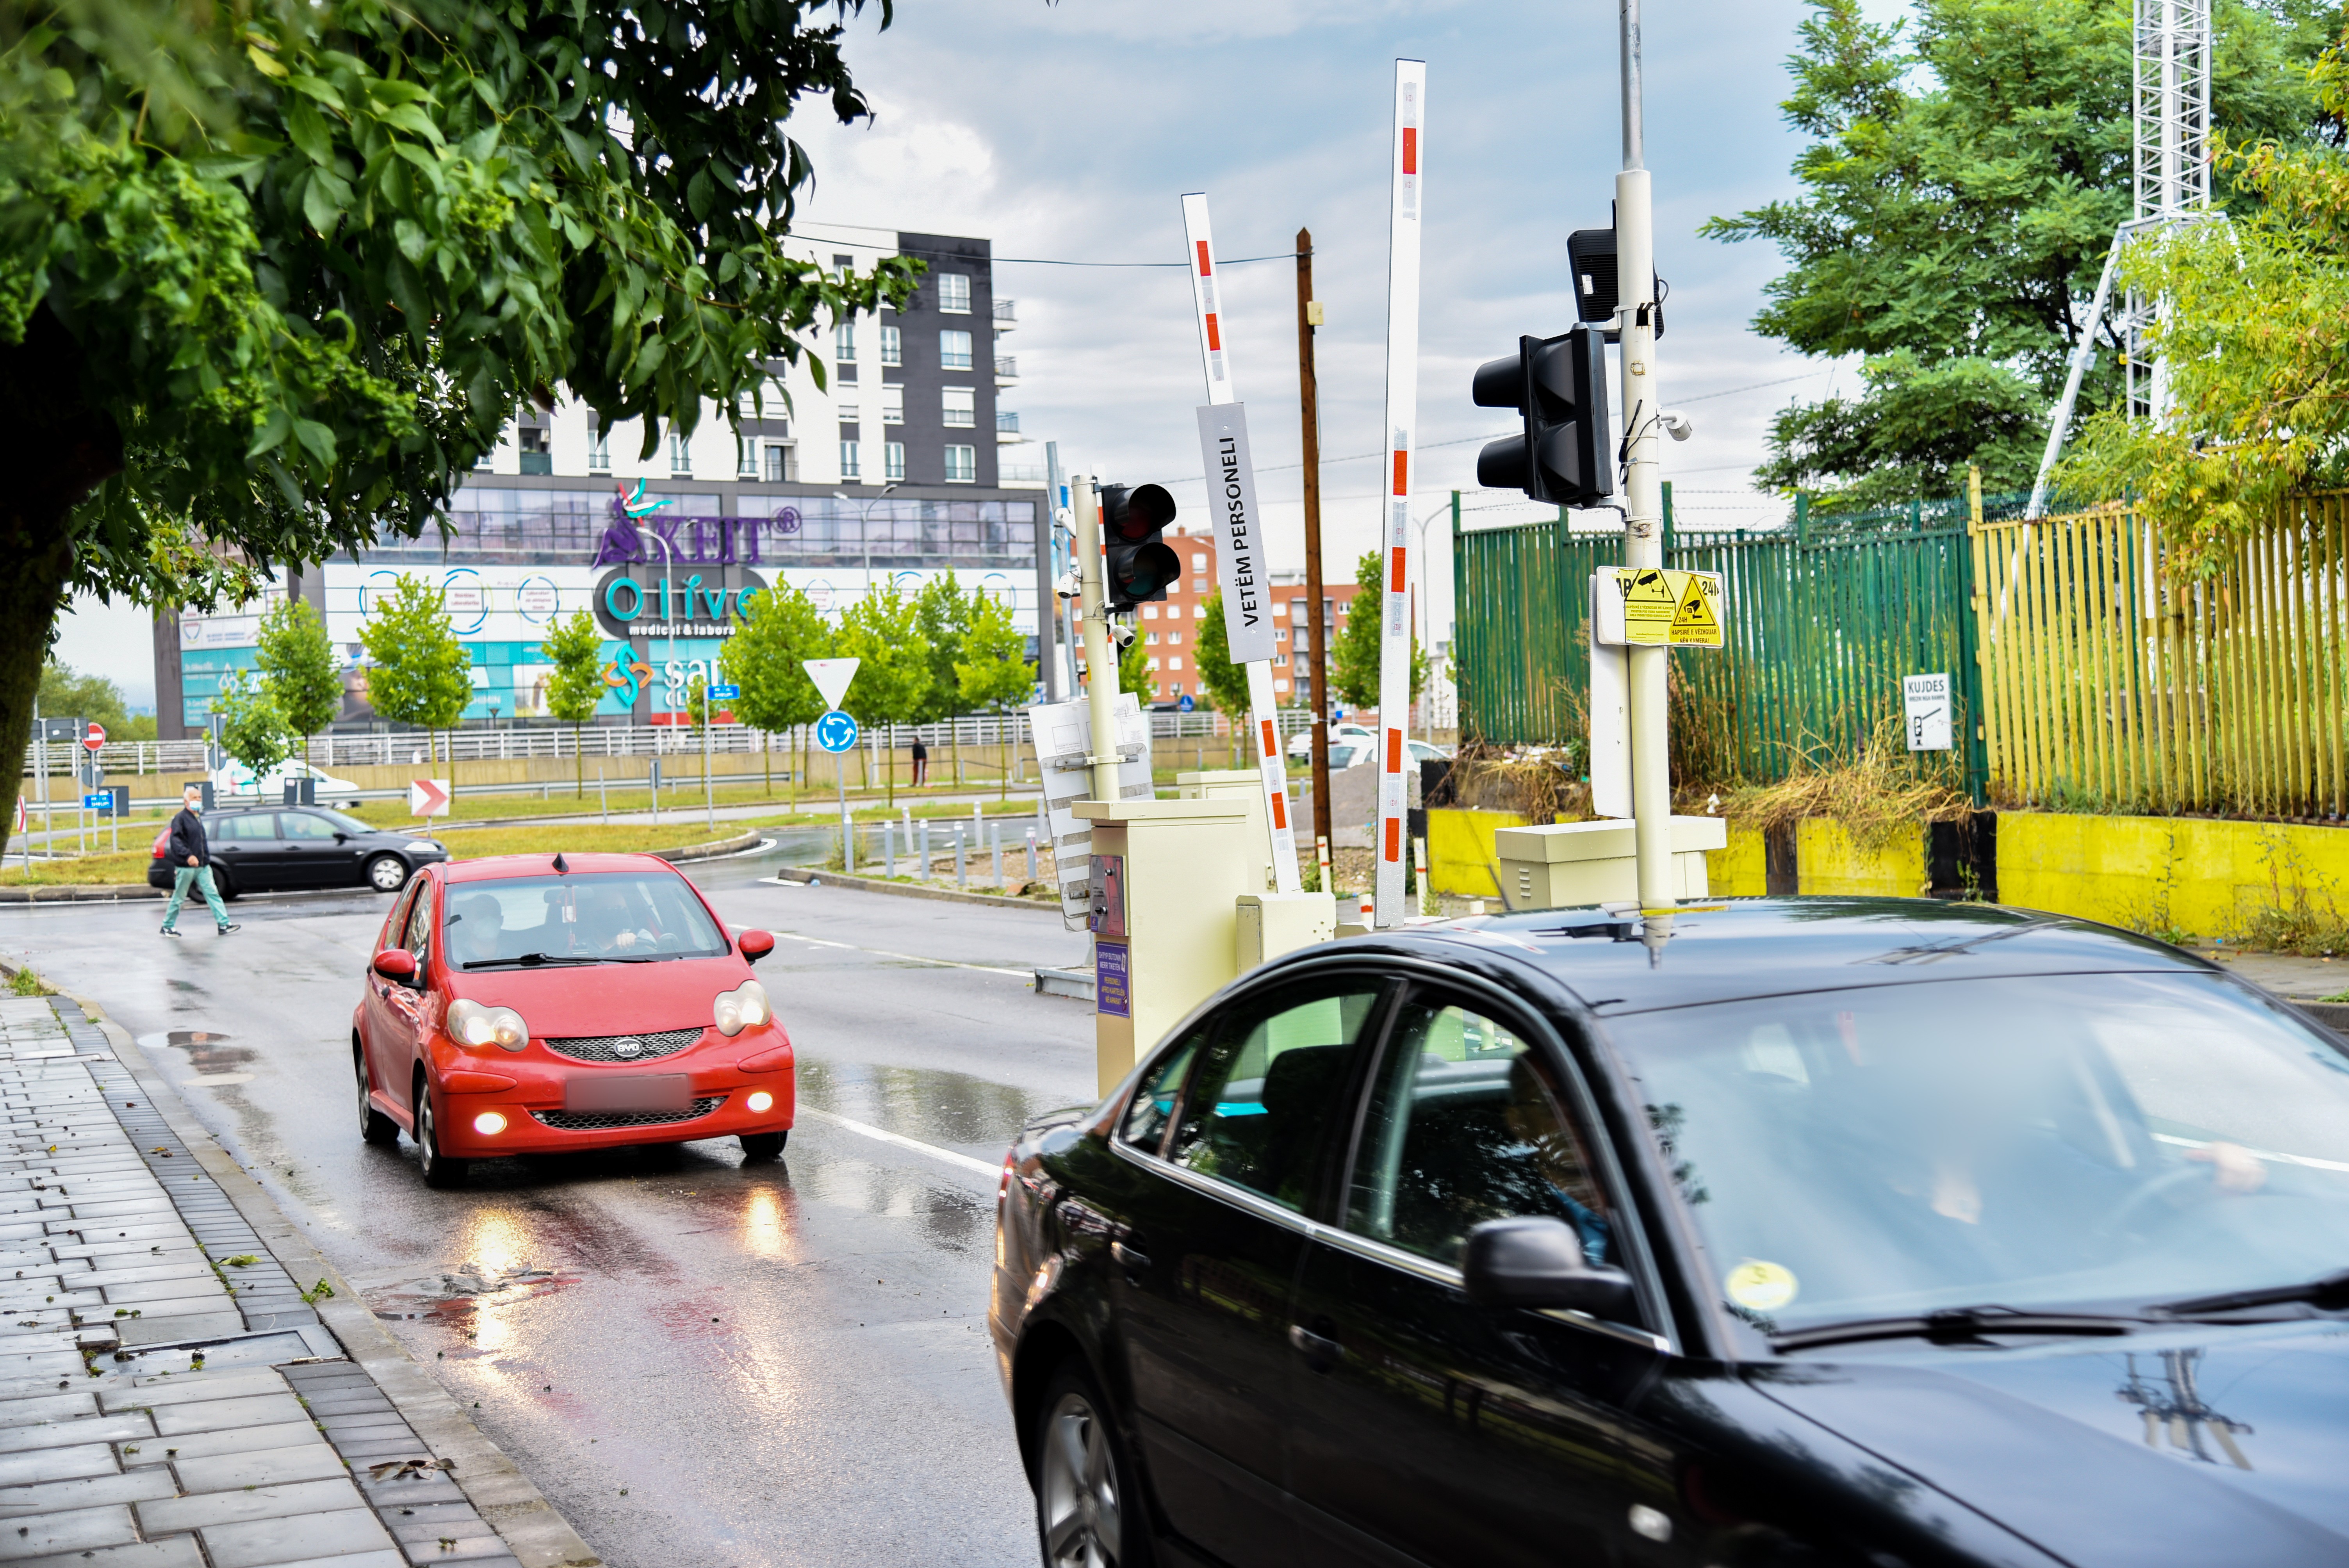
(1031, 260)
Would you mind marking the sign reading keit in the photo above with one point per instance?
(1239, 531)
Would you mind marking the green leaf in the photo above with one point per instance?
(273, 431)
(316, 439)
(307, 128)
(318, 203)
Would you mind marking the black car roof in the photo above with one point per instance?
(1776, 946)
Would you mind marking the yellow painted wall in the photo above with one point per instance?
(1739, 870)
(2164, 873)
(1460, 859)
(1826, 861)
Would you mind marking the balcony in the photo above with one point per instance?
(1007, 367)
(1005, 315)
(538, 463)
(1007, 424)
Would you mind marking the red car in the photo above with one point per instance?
(541, 1004)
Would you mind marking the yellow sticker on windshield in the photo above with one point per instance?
(1761, 1286)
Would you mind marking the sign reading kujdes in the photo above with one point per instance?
(1239, 531)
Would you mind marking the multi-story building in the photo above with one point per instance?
(1171, 630)
(893, 470)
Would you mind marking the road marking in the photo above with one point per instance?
(912, 957)
(918, 1147)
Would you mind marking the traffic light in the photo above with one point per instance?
(1138, 567)
(1565, 456)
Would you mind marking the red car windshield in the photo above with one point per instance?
(611, 917)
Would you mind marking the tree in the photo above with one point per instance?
(2254, 338)
(883, 631)
(255, 728)
(1226, 682)
(296, 658)
(577, 688)
(273, 276)
(945, 614)
(422, 674)
(1959, 193)
(66, 694)
(994, 671)
(780, 628)
(1354, 653)
(1134, 674)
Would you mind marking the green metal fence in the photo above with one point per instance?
(1822, 620)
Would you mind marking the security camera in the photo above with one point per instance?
(1677, 425)
(1121, 634)
(1067, 586)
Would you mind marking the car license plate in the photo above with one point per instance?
(633, 1092)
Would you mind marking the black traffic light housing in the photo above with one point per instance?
(1137, 567)
(1591, 262)
(1565, 456)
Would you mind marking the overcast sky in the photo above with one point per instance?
(1069, 132)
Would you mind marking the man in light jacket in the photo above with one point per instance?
(191, 861)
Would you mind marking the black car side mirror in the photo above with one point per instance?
(1537, 1261)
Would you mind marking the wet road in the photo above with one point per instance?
(702, 1364)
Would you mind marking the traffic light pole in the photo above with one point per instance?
(1092, 622)
(1644, 496)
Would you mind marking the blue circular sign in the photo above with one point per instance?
(835, 731)
(1185, 704)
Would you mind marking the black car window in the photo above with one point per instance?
(1152, 1106)
(303, 826)
(1465, 1125)
(1268, 1084)
(252, 827)
(420, 927)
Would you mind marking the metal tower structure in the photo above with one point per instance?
(2170, 104)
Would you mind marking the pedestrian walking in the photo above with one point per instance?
(921, 763)
(191, 861)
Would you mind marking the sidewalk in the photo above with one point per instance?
(168, 1395)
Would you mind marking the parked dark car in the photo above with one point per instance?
(1864, 1232)
(259, 850)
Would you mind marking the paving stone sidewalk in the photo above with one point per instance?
(168, 1397)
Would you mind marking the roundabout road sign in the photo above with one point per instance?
(835, 731)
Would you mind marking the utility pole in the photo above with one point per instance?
(1643, 539)
(1309, 402)
(1101, 664)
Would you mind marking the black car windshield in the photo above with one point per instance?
(619, 916)
(2034, 1143)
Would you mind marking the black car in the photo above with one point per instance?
(1851, 1232)
(258, 851)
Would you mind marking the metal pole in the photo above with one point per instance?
(1308, 400)
(708, 793)
(1101, 665)
(1643, 542)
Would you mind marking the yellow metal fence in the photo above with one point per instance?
(2111, 682)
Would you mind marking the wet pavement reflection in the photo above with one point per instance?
(702, 1362)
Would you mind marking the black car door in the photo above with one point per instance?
(1207, 1241)
(245, 845)
(1427, 1430)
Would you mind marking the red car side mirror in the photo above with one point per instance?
(754, 945)
(396, 963)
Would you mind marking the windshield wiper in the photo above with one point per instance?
(534, 960)
(1950, 1326)
(2329, 1293)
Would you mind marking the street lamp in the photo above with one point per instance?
(863, 530)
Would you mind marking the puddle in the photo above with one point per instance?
(927, 1103)
(208, 1053)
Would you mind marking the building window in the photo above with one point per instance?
(843, 343)
(842, 265)
(962, 465)
(848, 468)
(954, 350)
(599, 449)
(892, 346)
(1198, 561)
(953, 293)
(530, 440)
(893, 460)
(847, 413)
(1150, 640)
(1174, 636)
(779, 467)
(680, 461)
(1198, 612)
(893, 405)
(961, 407)
(1198, 586)
(1175, 662)
(1150, 612)
(746, 463)
(1154, 663)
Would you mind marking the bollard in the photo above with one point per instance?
(1032, 855)
(962, 865)
(888, 847)
(995, 833)
(1419, 870)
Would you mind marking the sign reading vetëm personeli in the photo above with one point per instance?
(1238, 528)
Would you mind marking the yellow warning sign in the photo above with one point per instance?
(1659, 607)
(1697, 623)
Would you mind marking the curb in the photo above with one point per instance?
(912, 889)
(713, 850)
(537, 1535)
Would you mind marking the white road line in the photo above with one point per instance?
(912, 957)
(918, 1147)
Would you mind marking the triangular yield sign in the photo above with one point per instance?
(831, 676)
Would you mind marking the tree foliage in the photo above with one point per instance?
(1354, 652)
(1134, 674)
(1225, 682)
(781, 629)
(273, 276)
(576, 688)
(297, 659)
(254, 727)
(2253, 337)
(420, 673)
(883, 631)
(945, 614)
(1959, 194)
(993, 671)
(66, 692)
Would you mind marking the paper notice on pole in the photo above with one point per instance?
(1238, 528)
(1061, 733)
(1657, 608)
(1925, 705)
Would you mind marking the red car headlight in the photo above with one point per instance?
(744, 1007)
(472, 1024)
